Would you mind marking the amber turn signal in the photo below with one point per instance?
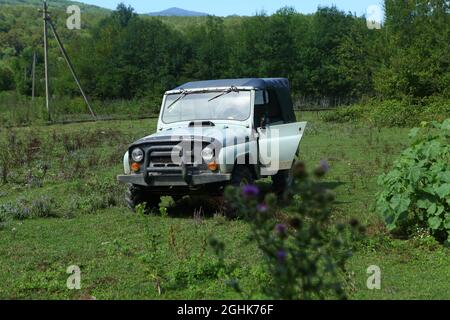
(213, 166)
(135, 167)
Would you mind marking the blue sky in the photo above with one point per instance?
(240, 7)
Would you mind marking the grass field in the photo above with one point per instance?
(62, 190)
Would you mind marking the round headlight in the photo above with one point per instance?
(137, 155)
(207, 154)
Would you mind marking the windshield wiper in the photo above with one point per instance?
(181, 96)
(227, 91)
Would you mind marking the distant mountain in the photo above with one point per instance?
(177, 12)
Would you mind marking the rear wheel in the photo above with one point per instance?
(137, 195)
(282, 181)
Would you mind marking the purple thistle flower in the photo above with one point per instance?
(281, 256)
(324, 165)
(262, 208)
(250, 191)
(322, 169)
(281, 229)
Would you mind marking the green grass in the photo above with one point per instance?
(129, 256)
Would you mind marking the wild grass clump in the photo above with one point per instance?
(94, 195)
(22, 209)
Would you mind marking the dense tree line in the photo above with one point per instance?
(327, 54)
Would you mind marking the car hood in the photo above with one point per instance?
(218, 133)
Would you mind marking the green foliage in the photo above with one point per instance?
(306, 255)
(6, 78)
(418, 33)
(416, 192)
(393, 112)
(328, 56)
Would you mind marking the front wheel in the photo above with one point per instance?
(137, 195)
(242, 175)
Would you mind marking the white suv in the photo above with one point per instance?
(214, 133)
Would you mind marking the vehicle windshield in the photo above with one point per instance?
(234, 105)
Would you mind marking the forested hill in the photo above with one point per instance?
(330, 54)
(54, 4)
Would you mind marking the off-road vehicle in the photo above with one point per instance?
(215, 133)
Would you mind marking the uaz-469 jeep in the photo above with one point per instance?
(214, 133)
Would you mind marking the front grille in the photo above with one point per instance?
(169, 156)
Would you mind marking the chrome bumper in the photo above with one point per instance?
(174, 180)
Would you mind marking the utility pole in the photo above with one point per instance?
(48, 22)
(72, 70)
(33, 76)
(47, 94)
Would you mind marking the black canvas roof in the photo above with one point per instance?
(259, 83)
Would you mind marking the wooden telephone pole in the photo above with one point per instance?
(48, 22)
(47, 94)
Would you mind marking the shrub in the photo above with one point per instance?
(42, 208)
(3, 217)
(17, 211)
(416, 192)
(305, 255)
(393, 113)
(6, 79)
(22, 209)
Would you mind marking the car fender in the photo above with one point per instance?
(244, 153)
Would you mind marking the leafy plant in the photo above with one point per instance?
(416, 192)
(305, 256)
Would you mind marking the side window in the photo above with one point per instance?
(261, 97)
(261, 105)
(274, 109)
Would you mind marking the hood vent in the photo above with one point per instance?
(201, 124)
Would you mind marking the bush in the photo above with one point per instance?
(416, 192)
(306, 252)
(22, 209)
(6, 79)
(393, 113)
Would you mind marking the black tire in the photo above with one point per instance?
(137, 195)
(242, 175)
(282, 181)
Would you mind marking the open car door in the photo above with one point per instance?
(278, 145)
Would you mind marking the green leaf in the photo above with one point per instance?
(432, 209)
(415, 174)
(439, 210)
(443, 191)
(434, 223)
(444, 176)
(413, 132)
(400, 203)
(447, 222)
(423, 203)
